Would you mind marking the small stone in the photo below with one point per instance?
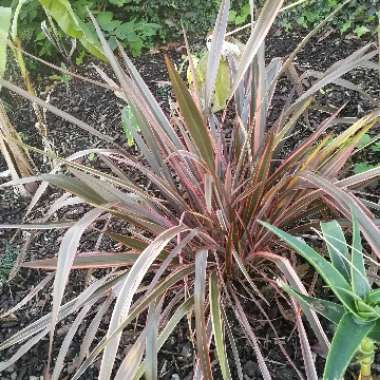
(250, 368)
(175, 377)
(186, 351)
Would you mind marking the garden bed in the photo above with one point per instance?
(100, 109)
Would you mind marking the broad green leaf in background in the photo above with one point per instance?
(5, 23)
(64, 16)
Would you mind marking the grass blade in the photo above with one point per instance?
(93, 260)
(261, 29)
(242, 319)
(66, 255)
(199, 309)
(180, 312)
(59, 363)
(62, 114)
(23, 350)
(123, 303)
(217, 326)
(193, 118)
(311, 371)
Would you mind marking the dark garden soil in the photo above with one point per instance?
(101, 109)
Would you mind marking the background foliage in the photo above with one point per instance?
(138, 23)
(359, 16)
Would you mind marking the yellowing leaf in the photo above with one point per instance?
(222, 84)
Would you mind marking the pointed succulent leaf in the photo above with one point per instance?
(348, 336)
(359, 280)
(327, 271)
(337, 247)
(373, 297)
(330, 310)
(375, 332)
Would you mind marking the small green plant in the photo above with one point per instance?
(63, 77)
(370, 145)
(7, 260)
(357, 315)
(135, 34)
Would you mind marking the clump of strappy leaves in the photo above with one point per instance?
(190, 218)
(357, 312)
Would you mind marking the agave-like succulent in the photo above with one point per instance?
(357, 315)
(202, 230)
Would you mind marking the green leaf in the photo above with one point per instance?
(118, 3)
(63, 14)
(360, 285)
(106, 21)
(5, 23)
(330, 275)
(16, 15)
(217, 327)
(361, 167)
(364, 140)
(376, 147)
(361, 30)
(337, 247)
(129, 124)
(330, 310)
(375, 332)
(348, 336)
(373, 297)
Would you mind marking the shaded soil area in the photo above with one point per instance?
(101, 109)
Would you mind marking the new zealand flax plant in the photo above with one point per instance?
(357, 313)
(194, 236)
